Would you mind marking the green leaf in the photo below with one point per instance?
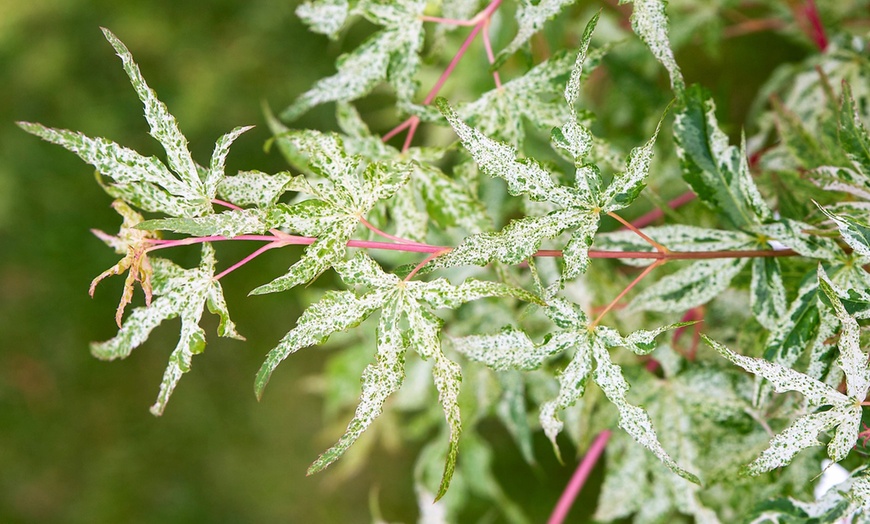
(852, 359)
(717, 172)
(180, 293)
(531, 16)
(692, 286)
(650, 22)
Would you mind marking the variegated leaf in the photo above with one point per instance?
(531, 16)
(718, 172)
(854, 231)
(260, 189)
(692, 286)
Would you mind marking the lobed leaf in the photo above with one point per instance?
(852, 359)
(180, 293)
(227, 224)
(572, 386)
(511, 349)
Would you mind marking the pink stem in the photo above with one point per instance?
(225, 204)
(449, 21)
(415, 121)
(652, 216)
(247, 259)
(384, 234)
(489, 54)
(563, 507)
(396, 130)
(818, 30)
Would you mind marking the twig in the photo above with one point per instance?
(563, 507)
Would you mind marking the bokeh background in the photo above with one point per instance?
(77, 443)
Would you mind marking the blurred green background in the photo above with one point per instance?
(77, 443)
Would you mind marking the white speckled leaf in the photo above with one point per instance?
(379, 380)
(502, 113)
(650, 22)
(641, 342)
(852, 359)
(576, 251)
(634, 420)
(326, 17)
(447, 375)
(531, 16)
(692, 286)
(512, 349)
(855, 232)
(336, 311)
(572, 386)
(448, 202)
(516, 242)
(791, 233)
(626, 186)
(390, 55)
(803, 433)
(440, 293)
(497, 159)
(227, 224)
(574, 137)
(675, 237)
(218, 160)
(179, 293)
(783, 378)
(258, 188)
(164, 128)
(326, 251)
(158, 189)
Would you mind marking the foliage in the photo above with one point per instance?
(790, 274)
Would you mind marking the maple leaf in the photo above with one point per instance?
(396, 299)
(183, 189)
(180, 293)
(513, 349)
(845, 410)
